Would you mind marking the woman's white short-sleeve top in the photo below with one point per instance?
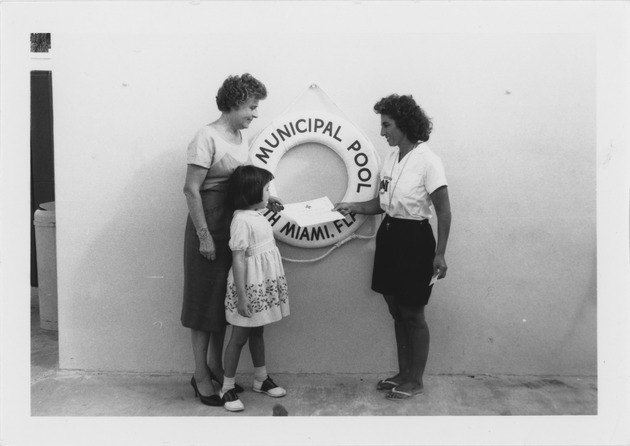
(406, 185)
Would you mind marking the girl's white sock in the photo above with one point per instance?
(228, 383)
(260, 373)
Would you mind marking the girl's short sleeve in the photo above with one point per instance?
(239, 234)
(201, 149)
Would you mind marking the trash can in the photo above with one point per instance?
(46, 245)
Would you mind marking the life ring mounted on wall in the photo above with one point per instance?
(335, 132)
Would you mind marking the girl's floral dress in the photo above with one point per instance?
(265, 281)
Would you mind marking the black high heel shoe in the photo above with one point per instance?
(214, 377)
(212, 400)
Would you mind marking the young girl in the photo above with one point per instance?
(257, 287)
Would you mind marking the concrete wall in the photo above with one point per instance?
(514, 117)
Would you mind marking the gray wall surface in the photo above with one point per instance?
(515, 121)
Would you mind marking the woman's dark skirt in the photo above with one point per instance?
(403, 261)
(205, 281)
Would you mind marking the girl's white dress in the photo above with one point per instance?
(265, 281)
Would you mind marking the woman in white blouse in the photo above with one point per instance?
(407, 256)
(216, 150)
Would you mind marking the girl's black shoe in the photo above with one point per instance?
(214, 377)
(231, 401)
(212, 400)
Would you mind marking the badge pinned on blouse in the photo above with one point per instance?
(384, 185)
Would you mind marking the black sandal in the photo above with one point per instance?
(388, 383)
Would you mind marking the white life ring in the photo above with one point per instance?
(337, 133)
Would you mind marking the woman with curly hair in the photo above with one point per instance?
(407, 257)
(214, 153)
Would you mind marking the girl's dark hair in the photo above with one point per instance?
(246, 186)
(238, 89)
(408, 116)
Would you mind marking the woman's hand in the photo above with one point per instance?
(207, 248)
(242, 308)
(439, 266)
(345, 208)
(274, 205)
(195, 176)
(370, 207)
(442, 205)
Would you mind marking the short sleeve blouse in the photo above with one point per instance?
(210, 150)
(406, 186)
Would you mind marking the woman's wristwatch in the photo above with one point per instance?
(203, 233)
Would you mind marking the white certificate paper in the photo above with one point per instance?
(312, 212)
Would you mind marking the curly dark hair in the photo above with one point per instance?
(238, 89)
(408, 116)
(246, 186)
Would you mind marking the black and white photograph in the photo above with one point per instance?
(390, 222)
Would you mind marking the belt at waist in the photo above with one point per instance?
(404, 221)
(213, 198)
(259, 249)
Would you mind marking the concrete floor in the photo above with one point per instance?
(57, 392)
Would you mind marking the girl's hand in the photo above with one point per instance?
(207, 248)
(274, 205)
(439, 266)
(243, 308)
